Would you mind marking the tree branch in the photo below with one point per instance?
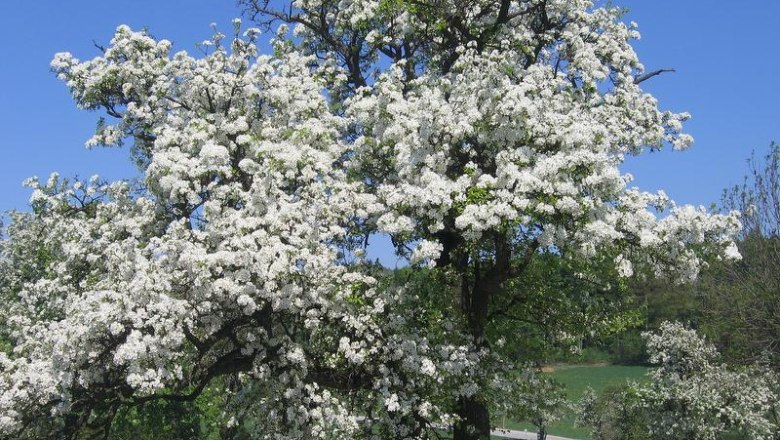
(639, 79)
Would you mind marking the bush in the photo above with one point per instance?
(616, 414)
(690, 396)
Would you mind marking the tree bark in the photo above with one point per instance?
(475, 420)
(473, 410)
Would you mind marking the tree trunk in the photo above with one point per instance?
(475, 303)
(473, 410)
(475, 420)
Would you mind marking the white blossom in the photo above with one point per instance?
(259, 173)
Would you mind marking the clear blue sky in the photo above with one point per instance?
(725, 52)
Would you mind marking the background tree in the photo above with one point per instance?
(735, 305)
(692, 396)
(538, 399)
(557, 306)
(689, 395)
(741, 302)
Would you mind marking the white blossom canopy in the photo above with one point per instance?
(259, 172)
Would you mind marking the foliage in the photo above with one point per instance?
(741, 302)
(549, 310)
(734, 304)
(626, 348)
(758, 197)
(616, 414)
(174, 420)
(689, 396)
(538, 399)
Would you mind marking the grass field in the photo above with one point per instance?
(577, 378)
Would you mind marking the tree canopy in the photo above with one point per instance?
(480, 136)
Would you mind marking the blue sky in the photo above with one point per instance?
(725, 54)
(728, 66)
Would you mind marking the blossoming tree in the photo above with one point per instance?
(688, 395)
(477, 135)
(691, 395)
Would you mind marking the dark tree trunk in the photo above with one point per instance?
(475, 420)
(473, 410)
(477, 290)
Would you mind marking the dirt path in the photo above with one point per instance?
(524, 435)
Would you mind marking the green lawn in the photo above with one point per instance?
(577, 378)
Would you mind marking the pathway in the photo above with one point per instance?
(524, 435)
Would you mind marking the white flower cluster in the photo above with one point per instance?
(692, 396)
(541, 147)
(229, 246)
